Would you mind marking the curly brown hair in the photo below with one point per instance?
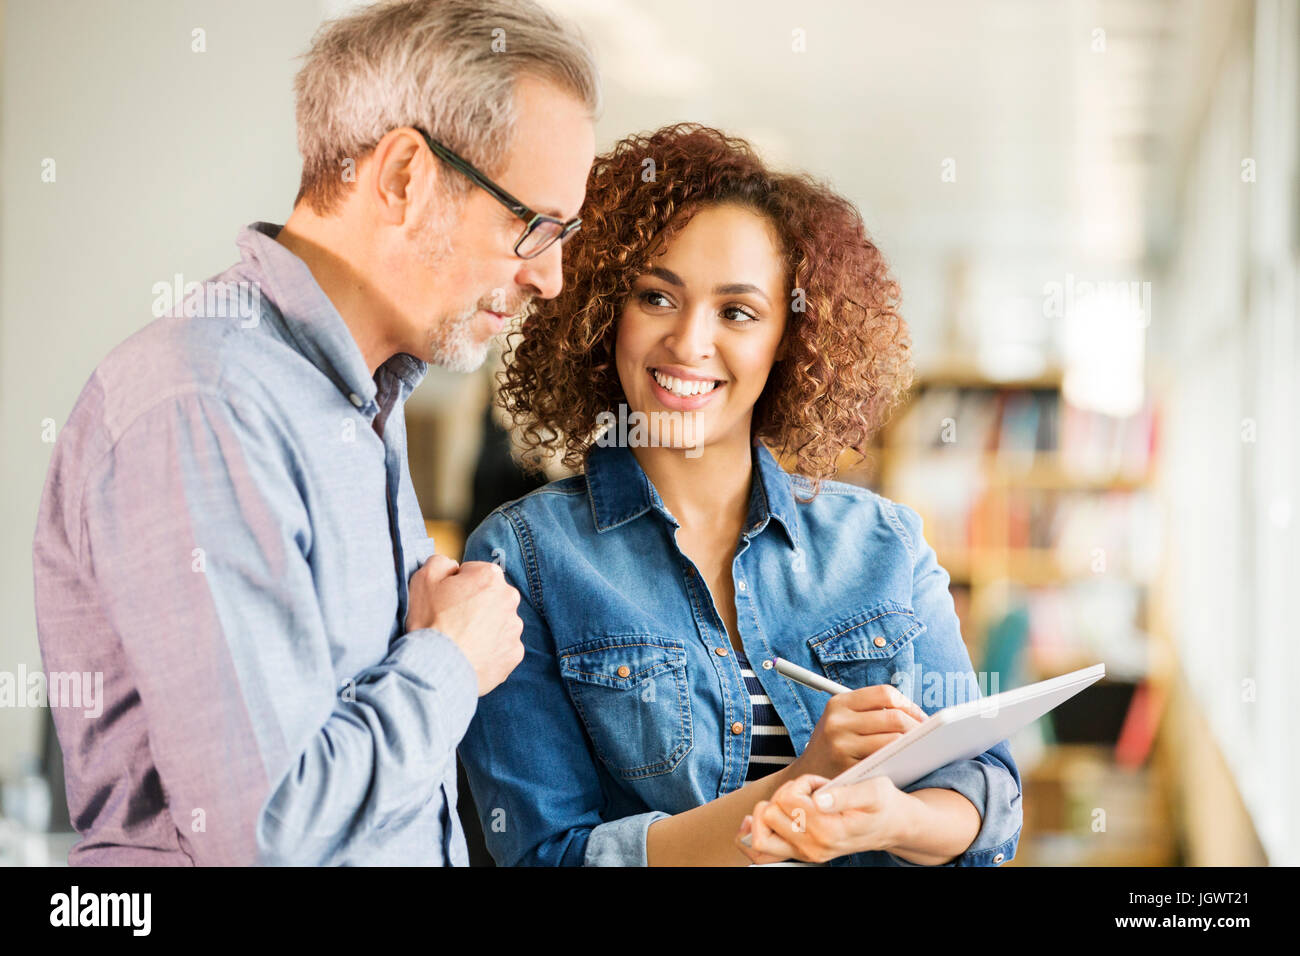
(847, 358)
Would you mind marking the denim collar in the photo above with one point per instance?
(314, 325)
(620, 491)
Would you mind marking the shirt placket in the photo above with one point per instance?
(390, 424)
(736, 710)
(789, 709)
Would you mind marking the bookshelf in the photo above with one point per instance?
(1044, 516)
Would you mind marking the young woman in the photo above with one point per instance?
(713, 308)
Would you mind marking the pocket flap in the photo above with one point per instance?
(621, 661)
(873, 634)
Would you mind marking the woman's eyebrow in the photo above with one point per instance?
(730, 288)
(672, 278)
(740, 288)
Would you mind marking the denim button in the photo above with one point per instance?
(767, 665)
(879, 642)
(624, 671)
(720, 651)
(741, 585)
(737, 728)
(998, 858)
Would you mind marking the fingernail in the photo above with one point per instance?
(824, 800)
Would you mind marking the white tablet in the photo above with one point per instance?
(966, 730)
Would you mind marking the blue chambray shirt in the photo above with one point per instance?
(227, 533)
(622, 711)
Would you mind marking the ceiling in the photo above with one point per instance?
(1059, 119)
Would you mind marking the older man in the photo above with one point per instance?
(228, 530)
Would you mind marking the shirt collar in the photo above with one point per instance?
(619, 491)
(314, 324)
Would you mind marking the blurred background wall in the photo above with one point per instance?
(1091, 206)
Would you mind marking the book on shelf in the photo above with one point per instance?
(1022, 428)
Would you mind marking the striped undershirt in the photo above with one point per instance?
(770, 748)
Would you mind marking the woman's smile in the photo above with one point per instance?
(680, 391)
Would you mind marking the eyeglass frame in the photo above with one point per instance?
(531, 218)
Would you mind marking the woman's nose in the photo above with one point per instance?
(692, 337)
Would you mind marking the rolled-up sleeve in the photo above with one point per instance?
(197, 534)
(990, 780)
(621, 842)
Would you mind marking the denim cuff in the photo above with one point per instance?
(621, 842)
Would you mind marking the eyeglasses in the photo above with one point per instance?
(540, 231)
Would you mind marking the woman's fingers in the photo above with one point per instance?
(878, 697)
(868, 795)
(886, 720)
(787, 827)
(763, 838)
(796, 797)
(755, 856)
(859, 734)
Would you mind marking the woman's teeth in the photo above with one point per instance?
(682, 388)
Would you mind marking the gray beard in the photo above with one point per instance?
(452, 344)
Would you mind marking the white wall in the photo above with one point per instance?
(1227, 347)
(161, 155)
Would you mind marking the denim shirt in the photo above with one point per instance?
(628, 705)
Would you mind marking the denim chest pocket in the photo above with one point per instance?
(873, 646)
(631, 692)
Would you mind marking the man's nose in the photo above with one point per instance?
(544, 272)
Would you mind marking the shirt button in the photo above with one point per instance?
(720, 651)
(624, 671)
(767, 665)
(998, 858)
(880, 642)
(355, 399)
(741, 585)
(737, 728)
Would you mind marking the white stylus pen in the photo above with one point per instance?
(806, 677)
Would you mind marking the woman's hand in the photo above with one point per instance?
(855, 725)
(870, 815)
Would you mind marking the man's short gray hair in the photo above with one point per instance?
(449, 66)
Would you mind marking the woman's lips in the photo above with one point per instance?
(682, 403)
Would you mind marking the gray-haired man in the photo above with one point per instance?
(228, 530)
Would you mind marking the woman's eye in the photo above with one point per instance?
(649, 297)
(739, 315)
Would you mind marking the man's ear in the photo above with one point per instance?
(394, 164)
